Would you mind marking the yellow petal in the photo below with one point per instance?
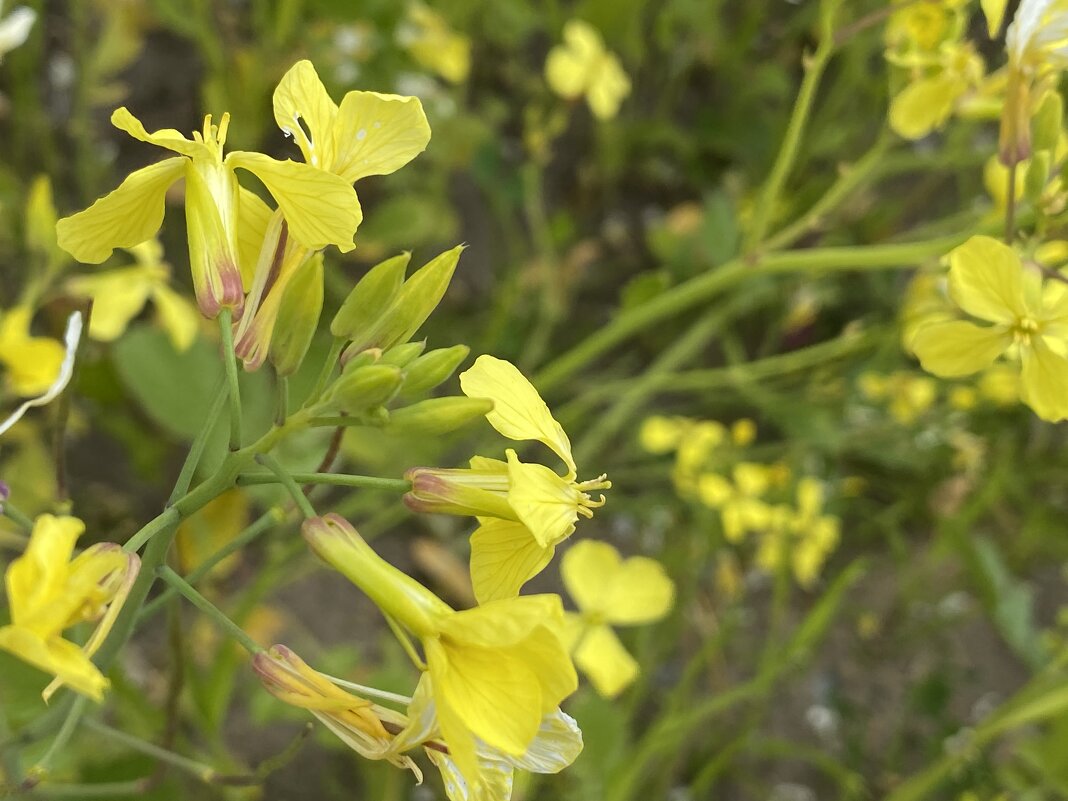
(1044, 381)
(253, 218)
(32, 362)
(494, 696)
(640, 593)
(545, 503)
(504, 557)
(35, 579)
(169, 138)
(377, 134)
(118, 296)
(605, 662)
(994, 11)
(589, 570)
(570, 67)
(959, 348)
(503, 622)
(924, 105)
(986, 280)
(608, 87)
(177, 316)
(57, 656)
(518, 413)
(127, 216)
(304, 110)
(321, 208)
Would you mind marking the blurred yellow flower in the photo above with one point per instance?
(802, 535)
(609, 590)
(119, 295)
(495, 671)
(907, 395)
(524, 509)
(583, 66)
(320, 208)
(31, 363)
(49, 592)
(739, 501)
(433, 44)
(932, 95)
(1029, 321)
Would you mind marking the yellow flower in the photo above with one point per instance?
(19, 351)
(32, 363)
(368, 134)
(609, 590)
(524, 510)
(495, 671)
(320, 208)
(660, 434)
(583, 66)
(379, 732)
(1029, 321)
(427, 36)
(930, 98)
(119, 295)
(803, 535)
(909, 395)
(49, 592)
(740, 506)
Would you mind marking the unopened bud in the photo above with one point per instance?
(432, 369)
(1048, 121)
(1037, 176)
(298, 317)
(459, 491)
(369, 299)
(438, 415)
(364, 388)
(403, 355)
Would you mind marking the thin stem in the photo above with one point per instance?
(1010, 204)
(282, 402)
(17, 517)
(230, 363)
(200, 441)
(198, 769)
(406, 642)
(333, 479)
(326, 372)
(99, 790)
(209, 609)
(707, 285)
(265, 522)
(287, 481)
(784, 161)
(66, 731)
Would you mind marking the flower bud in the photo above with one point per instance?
(432, 369)
(438, 415)
(403, 355)
(298, 317)
(369, 299)
(1047, 121)
(211, 202)
(398, 595)
(362, 388)
(451, 491)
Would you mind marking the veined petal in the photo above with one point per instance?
(118, 296)
(321, 208)
(377, 134)
(58, 656)
(125, 217)
(959, 348)
(558, 744)
(543, 501)
(605, 662)
(986, 280)
(518, 413)
(35, 579)
(504, 622)
(301, 98)
(504, 557)
(493, 782)
(486, 692)
(1044, 381)
(169, 138)
(253, 218)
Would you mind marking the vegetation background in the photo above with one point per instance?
(923, 654)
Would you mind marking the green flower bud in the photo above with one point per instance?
(361, 389)
(432, 369)
(1037, 177)
(438, 415)
(1047, 122)
(370, 298)
(298, 317)
(403, 355)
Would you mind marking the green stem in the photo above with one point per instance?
(287, 481)
(66, 731)
(702, 287)
(333, 479)
(196, 449)
(550, 307)
(784, 161)
(15, 516)
(264, 523)
(866, 168)
(326, 372)
(208, 608)
(230, 363)
(100, 790)
(282, 410)
(198, 769)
